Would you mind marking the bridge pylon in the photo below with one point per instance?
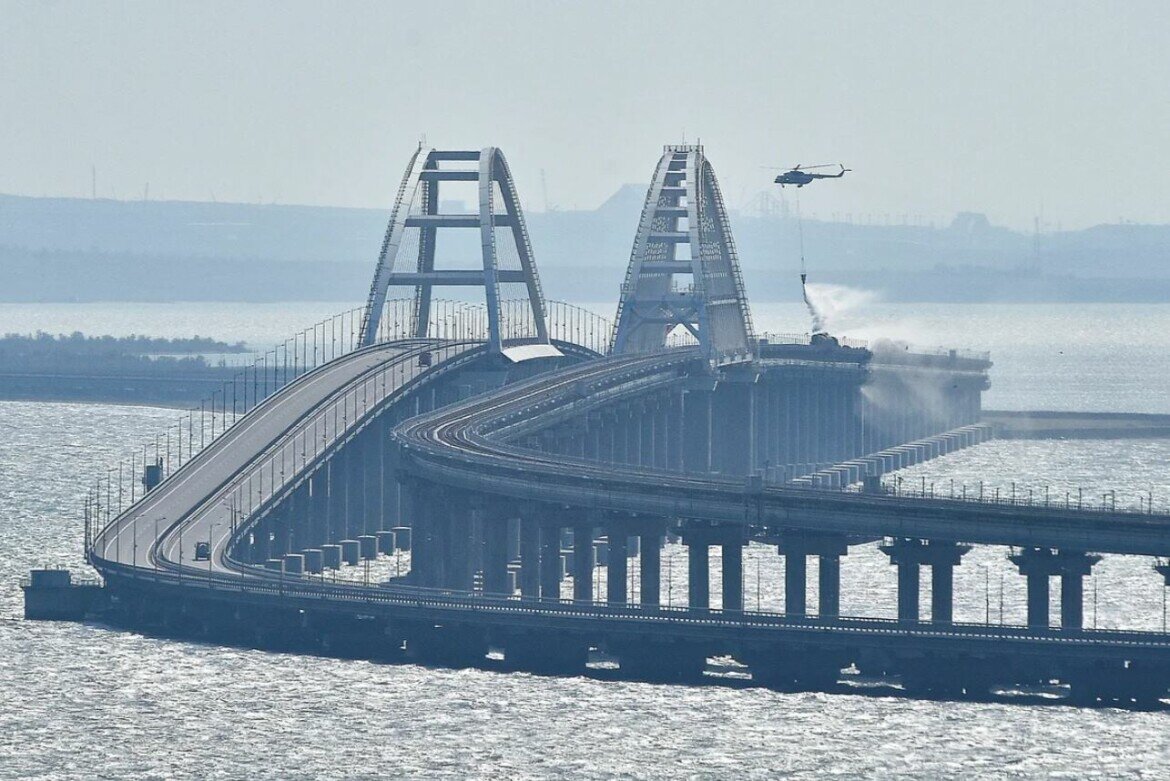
(408, 256)
(684, 270)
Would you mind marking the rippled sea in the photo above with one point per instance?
(84, 701)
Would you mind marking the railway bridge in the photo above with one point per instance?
(510, 451)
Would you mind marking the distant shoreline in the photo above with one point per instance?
(161, 251)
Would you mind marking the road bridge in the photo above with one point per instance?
(508, 454)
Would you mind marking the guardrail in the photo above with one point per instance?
(1015, 496)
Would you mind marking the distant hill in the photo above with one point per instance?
(62, 249)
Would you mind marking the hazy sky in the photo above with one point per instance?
(939, 106)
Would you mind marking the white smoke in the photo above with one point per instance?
(818, 319)
(829, 303)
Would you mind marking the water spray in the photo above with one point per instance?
(818, 318)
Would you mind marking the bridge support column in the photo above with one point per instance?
(1072, 601)
(592, 436)
(733, 575)
(662, 423)
(261, 547)
(1038, 565)
(796, 546)
(698, 575)
(696, 415)
(733, 426)
(550, 562)
(354, 489)
(616, 569)
(318, 508)
(374, 483)
(650, 564)
(645, 414)
(530, 556)
(698, 538)
(830, 586)
(583, 562)
(908, 590)
(494, 528)
(795, 583)
(942, 557)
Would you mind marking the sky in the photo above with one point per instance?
(1020, 110)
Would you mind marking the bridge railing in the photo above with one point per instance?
(126, 483)
(791, 338)
(463, 320)
(1015, 495)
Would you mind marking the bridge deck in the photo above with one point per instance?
(280, 438)
(456, 445)
(462, 445)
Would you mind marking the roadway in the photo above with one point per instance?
(467, 444)
(254, 459)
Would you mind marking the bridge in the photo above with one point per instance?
(510, 448)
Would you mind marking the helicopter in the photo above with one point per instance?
(800, 176)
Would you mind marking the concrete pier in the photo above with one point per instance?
(402, 536)
(547, 562)
(795, 583)
(617, 572)
(331, 556)
(942, 556)
(351, 551)
(733, 575)
(1038, 565)
(294, 564)
(650, 568)
(583, 562)
(314, 560)
(495, 556)
(698, 574)
(796, 546)
(530, 555)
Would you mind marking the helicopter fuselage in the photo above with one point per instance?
(801, 178)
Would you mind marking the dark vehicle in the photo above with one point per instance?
(202, 551)
(424, 359)
(800, 176)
